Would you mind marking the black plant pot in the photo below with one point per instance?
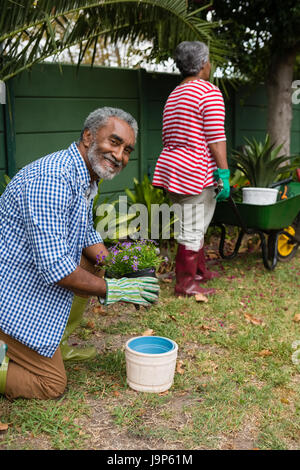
(150, 272)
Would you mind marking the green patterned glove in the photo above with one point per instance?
(140, 290)
(222, 177)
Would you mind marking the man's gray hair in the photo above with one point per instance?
(190, 57)
(100, 116)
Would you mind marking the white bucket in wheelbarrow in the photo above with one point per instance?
(150, 363)
(259, 196)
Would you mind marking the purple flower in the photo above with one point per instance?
(125, 258)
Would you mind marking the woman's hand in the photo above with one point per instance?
(222, 177)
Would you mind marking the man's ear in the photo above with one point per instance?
(87, 138)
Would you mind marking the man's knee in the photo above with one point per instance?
(54, 388)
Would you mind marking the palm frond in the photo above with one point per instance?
(31, 32)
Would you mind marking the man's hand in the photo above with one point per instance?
(140, 290)
(222, 176)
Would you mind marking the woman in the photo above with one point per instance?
(192, 160)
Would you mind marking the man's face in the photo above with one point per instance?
(109, 151)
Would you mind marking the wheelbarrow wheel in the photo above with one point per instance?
(286, 249)
(272, 248)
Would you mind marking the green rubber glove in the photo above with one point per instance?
(222, 177)
(140, 290)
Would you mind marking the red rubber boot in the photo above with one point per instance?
(202, 274)
(186, 267)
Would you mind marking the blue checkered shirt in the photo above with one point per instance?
(45, 222)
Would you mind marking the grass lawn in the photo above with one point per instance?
(236, 386)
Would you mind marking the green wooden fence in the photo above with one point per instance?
(3, 168)
(47, 107)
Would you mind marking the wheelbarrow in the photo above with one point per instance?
(278, 225)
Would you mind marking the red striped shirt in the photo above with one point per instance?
(193, 117)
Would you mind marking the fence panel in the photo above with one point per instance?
(52, 102)
(2, 149)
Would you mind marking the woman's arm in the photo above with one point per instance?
(218, 151)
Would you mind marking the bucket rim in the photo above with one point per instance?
(257, 189)
(133, 351)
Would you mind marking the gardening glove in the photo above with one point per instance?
(140, 290)
(222, 177)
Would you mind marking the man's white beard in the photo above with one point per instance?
(105, 173)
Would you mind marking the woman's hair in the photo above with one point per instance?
(100, 116)
(190, 57)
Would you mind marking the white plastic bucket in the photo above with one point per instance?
(150, 363)
(259, 196)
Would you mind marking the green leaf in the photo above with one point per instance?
(131, 195)
(260, 162)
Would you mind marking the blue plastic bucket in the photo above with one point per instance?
(151, 345)
(150, 363)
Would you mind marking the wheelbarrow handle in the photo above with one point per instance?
(236, 211)
(279, 183)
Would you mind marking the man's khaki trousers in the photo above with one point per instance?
(31, 375)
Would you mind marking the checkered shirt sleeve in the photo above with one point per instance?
(92, 237)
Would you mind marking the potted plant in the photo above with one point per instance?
(262, 166)
(131, 259)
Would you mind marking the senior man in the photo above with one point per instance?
(46, 225)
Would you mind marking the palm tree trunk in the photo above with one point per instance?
(279, 90)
